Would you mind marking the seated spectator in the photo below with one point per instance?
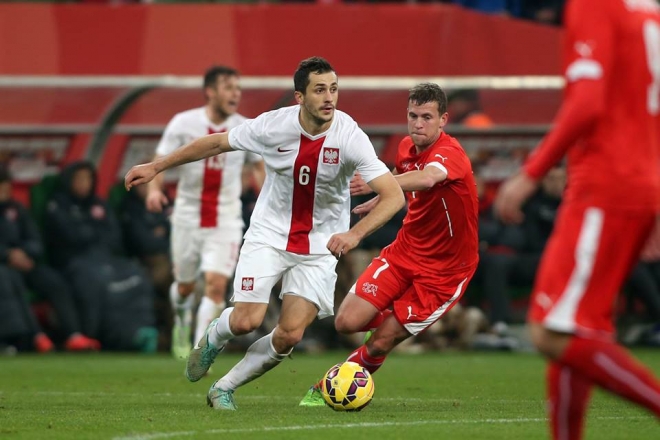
(84, 241)
(147, 237)
(514, 252)
(18, 325)
(21, 250)
(464, 108)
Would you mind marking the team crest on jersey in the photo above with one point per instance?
(247, 284)
(330, 156)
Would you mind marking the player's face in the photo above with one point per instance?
(81, 183)
(320, 98)
(425, 123)
(225, 96)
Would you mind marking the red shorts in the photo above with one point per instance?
(589, 255)
(418, 297)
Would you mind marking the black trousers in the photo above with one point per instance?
(501, 271)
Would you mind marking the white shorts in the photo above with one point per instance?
(261, 266)
(196, 250)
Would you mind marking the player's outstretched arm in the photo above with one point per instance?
(420, 180)
(201, 148)
(390, 201)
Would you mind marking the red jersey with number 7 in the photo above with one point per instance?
(440, 229)
(613, 162)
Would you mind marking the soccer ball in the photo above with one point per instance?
(347, 387)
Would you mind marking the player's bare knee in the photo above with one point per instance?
(185, 289)
(243, 324)
(344, 324)
(216, 292)
(284, 340)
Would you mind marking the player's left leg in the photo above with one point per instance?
(422, 304)
(266, 353)
(219, 255)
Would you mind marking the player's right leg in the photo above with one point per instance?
(259, 267)
(266, 353)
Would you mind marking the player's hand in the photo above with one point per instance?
(339, 244)
(358, 186)
(139, 175)
(511, 196)
(156, 201)
(366, 207)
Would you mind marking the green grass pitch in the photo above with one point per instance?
(440, 395)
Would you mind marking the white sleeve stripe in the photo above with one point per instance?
(439, 166)
(584, 69)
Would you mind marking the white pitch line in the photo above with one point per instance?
(159, 435)
(265, 397)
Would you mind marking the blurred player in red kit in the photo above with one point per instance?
(609, 127)
(424, 272)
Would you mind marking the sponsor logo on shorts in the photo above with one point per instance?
(247, 283)
(370, 288)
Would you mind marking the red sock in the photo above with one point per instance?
(377, 320)
(568, 396)
(362, 357)
(611, 367)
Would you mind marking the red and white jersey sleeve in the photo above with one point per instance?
(305, 198)
(208, 191)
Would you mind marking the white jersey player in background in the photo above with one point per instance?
(300, 225)
(207, 222)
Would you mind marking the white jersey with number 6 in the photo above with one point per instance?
(305, 198)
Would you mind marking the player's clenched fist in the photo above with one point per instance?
(341, 243)
(156, 200)
(139, 174)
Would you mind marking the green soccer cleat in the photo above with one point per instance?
(202, 355)
(367, 336)
(181, 341)
(220, 399)
(313, 397)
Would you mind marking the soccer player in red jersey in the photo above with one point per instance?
(608, 125)
(424, 272)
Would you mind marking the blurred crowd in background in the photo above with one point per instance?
(82, 273)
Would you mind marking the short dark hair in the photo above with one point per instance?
(316, 65)
(212, 74)
(429, 92)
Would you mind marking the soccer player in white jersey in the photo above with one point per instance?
(300, 225)
(207, 225)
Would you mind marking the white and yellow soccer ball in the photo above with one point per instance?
(347, 386)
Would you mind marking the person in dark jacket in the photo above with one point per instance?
(84, 241)
(500, 269)
(147, 237)
(22, 251)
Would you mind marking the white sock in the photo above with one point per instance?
(182, 306)
(222, 333)
(208, 310)
(259, 358)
